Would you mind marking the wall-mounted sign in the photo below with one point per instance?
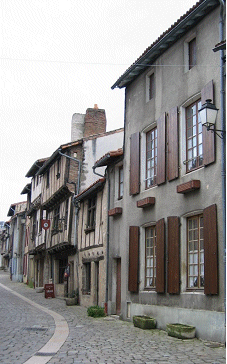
(45, 224)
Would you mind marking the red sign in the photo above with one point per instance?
(45, 224)
(49, 290)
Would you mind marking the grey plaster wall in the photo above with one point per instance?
(174, 86)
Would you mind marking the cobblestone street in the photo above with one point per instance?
(26, 329)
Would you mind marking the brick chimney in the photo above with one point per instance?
(94, 121)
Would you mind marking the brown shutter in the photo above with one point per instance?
(208, 137)
(133, 258)
(173, 254)
(210, 250)
(160, 256)
(161, 153)
(173, 160)
(135, 164)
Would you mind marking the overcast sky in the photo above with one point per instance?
(60, 57)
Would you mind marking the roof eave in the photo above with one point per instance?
(160, 46)
(52, 158)
(95, 187)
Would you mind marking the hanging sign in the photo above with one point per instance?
(45, 224)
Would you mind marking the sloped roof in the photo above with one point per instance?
(54, 156)
(16, 208)
(94, 187)
(35, 167)
(166, 39)
(26, 189)
(109, 158)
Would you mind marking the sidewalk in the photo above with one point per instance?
(103, 340)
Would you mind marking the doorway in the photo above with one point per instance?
(97, 283)
(118, 286)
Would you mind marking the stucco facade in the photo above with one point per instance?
(164, 205)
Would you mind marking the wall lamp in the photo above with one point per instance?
(208, 115)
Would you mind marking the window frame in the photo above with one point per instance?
(58, 168)
(151, 132)
(91, 212)
(153, 236)
(150, 86)
(48, 179)
(192, 53)
(200, 252)
(199, 131)
(56, 219)
(66, 214)
(120, 182)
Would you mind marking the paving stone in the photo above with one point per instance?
(90, 340)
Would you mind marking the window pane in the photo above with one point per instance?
(150, 244)
(194, 120)
(195, 252)
(194, 129)
(189, 132)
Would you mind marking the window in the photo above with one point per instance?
(150, 264)
(66, 213)
(121, 181)
(48, 179)
(34, 226)
(91, 212)
(151, 157)
(37, 180)
(192, 53)
(58, 168)
(194, 137)
(56, 218)
(151, 86)
(40, 220)
(195, 252)
(86, 278)
(63, 263)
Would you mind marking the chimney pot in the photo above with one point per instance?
(95, 106)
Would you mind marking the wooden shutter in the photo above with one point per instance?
(135, 164)
(160, 256)
(161, 153)
(173, 254)
(210, 250)
(173, 160)
(208, 137)
(133, 258)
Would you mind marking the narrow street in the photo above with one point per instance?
(36, 330)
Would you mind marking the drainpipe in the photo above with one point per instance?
(223, 141)
(107, 240)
